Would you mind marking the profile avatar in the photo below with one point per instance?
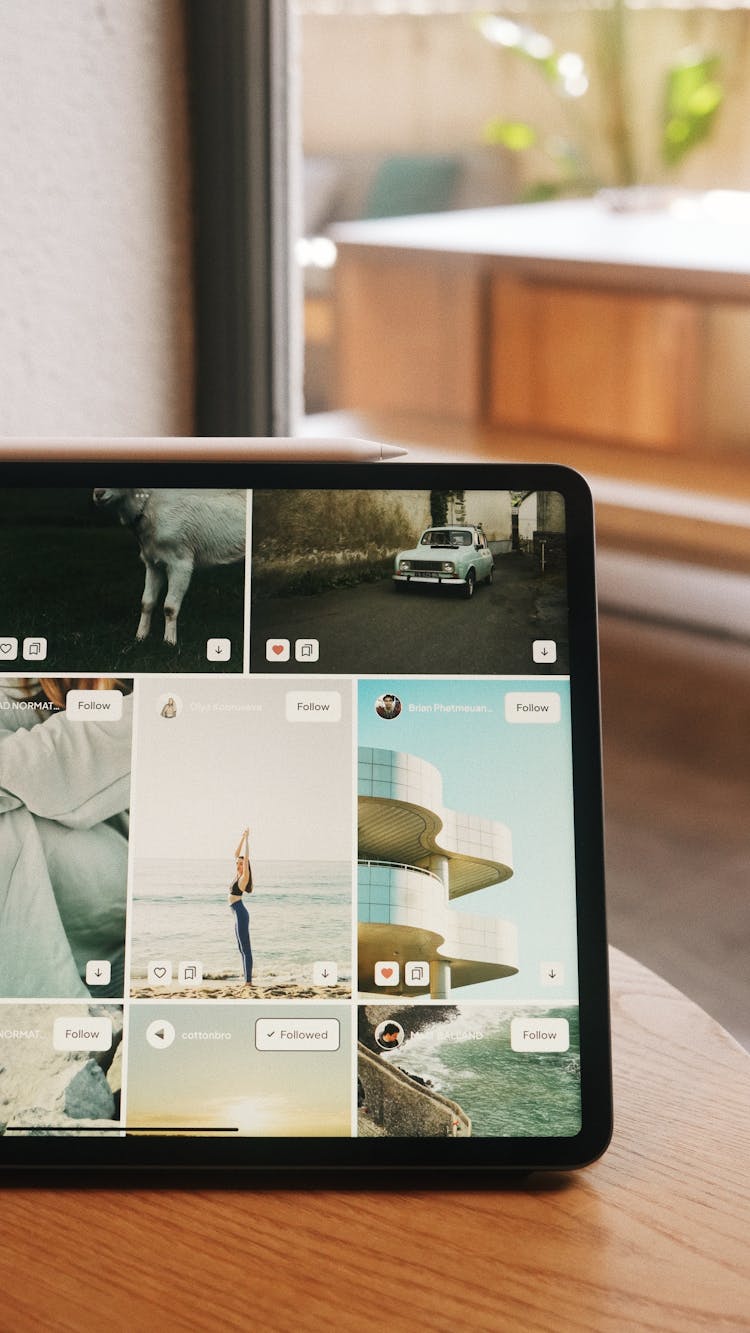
(388, 706)
(389, 1035)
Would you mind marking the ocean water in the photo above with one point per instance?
(506, 1093)
(300, 913)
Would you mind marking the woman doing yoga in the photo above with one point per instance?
(242, 883)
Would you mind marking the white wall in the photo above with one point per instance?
(418, 83)
(95, 314)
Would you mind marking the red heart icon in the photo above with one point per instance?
(386, 972)
(277, 648)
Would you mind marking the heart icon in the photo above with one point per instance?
(277, 648)
(160, 971)
(386, 972)
(5, 649)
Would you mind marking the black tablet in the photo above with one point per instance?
(300, 819)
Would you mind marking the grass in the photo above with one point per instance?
(81, 588)
(290, 578)
(305, 542)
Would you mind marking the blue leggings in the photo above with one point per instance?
(242, 931)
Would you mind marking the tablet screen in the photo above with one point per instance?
(288, 839)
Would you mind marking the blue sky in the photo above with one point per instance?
(519, 774)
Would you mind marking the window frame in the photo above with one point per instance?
(241, 104)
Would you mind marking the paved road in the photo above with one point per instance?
(423, 630)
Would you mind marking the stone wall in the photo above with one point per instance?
(403, 1107)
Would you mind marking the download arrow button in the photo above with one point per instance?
(551, 974)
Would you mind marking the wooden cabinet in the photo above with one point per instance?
(476, 341)
(561, 318)
(610, 364)
(408, 334)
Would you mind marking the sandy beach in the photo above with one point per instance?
(238, 990)
(302, 913)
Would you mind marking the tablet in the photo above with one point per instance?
(300, 819)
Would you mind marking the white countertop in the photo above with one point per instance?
(701, 234)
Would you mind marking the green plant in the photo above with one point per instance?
(439, 501)
(693, 94)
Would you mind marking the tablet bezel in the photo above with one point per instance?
(334, 1156)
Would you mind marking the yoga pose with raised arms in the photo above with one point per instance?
(241, 884)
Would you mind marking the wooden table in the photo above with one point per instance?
(565, 317)
(654, 1236)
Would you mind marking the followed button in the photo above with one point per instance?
(297, 1034)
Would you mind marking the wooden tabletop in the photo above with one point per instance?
(654, 1236)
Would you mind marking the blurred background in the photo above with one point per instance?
(576, 288)
(518, 233)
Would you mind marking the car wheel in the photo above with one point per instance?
(399, 587)
(491, 574)
(471, 579)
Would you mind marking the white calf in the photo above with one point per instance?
(177, 532)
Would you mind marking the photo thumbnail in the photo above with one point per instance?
(125, 580)
(373, 580)
(65, 761)
(242, 882)
(466, 877)
(260, 1070)
(469, 1070)
(60, 1068)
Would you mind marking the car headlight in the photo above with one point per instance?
(448, 567)
(404, 564)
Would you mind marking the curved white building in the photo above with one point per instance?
(415, 857)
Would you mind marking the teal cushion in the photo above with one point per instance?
(403, 185)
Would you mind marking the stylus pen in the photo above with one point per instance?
(206, 449)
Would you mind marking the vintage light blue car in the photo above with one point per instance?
(454, 554)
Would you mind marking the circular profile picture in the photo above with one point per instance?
(388, 706)
(389, 1035)
(169, 705)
